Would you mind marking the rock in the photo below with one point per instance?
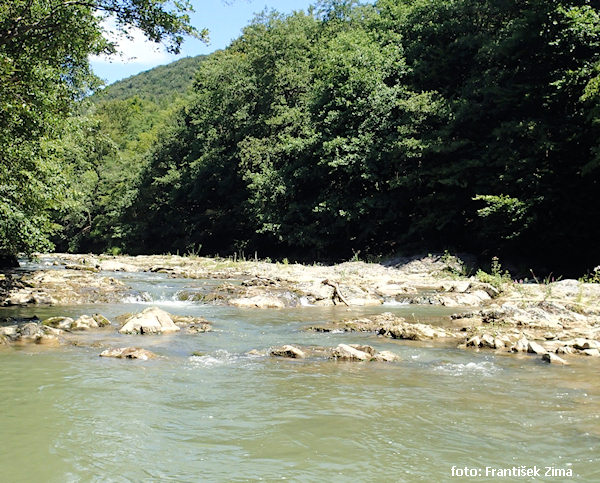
(63, 323)
(554, 359)
(85, 268)
(364, 348)
(258, 302)
(499, 343)
(583, 344)
(129, 353)
(288, 351)
(535, 348)
(345, 352)
(64, 287)
(30, 331)
(9, 331)
(591, 352)
(114, 266)
(85, 322)
(474, 341)
(487, 341)
(417, 332)
(101, 320)
(565, 350)
(151, 321)
(386, 356)
(552, 345)
(520, 346)
(198, 328)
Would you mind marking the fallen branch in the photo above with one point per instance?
(336, 292)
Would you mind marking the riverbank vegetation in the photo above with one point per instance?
(398, 126)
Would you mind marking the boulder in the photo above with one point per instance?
(85, 322)
(63, 323)
(101, 320)
(288, 351)
(129, 353)
(364, 348)
(417, 332)
(344, 352)
(151, 321)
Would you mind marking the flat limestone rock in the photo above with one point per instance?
(129, 353)
(536, 348)
(344, 352)
(151, 321)
(258, 302)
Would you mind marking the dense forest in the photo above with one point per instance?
(348, 130)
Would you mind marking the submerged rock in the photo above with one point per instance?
(151, 321)
(190, 324)
(129, 353)
(386, 356)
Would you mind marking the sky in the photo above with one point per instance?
(224, 19)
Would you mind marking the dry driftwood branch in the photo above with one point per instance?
(337, 294)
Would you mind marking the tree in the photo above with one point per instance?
(44, 70)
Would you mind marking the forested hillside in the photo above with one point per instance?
(405, 125)
(159, 85)
(107, 146)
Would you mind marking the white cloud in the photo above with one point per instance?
(134, 48)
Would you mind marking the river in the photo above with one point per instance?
(222, 415)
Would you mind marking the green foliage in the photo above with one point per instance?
(591, 277)
(44, 49)
(497, 277)
(348, 128)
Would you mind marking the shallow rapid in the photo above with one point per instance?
(224, 415)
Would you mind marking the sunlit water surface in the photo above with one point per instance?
(69, 415)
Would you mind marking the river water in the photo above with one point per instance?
(69, 415)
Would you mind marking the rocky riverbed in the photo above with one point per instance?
(556, 321)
